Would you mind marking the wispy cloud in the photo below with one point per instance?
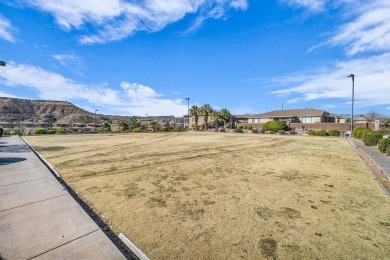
(312, 5)
(368, 31)
(71, 61)
(131, 99)
(371, 84)
(6, 29)
(117, 19)
(242, 110)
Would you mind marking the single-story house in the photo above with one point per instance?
(361, 120)
(307, 115)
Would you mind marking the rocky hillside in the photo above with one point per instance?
(13, 110)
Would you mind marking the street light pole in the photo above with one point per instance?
(353, 93)
(95, 119)
(188, 111)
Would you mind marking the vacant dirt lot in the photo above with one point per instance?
(228, 196)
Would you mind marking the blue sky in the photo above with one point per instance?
(145, 57)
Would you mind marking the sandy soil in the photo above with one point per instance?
(228, 196)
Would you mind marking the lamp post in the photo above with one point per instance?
(95, 119)
(353, 92)
(188, 111)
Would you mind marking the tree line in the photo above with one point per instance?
(206, 110)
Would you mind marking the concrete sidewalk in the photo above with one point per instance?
(382, 161)
(38, 217)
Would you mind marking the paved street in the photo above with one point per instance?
(38, 217)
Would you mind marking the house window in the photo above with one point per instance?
(255, 120)
(308, 119)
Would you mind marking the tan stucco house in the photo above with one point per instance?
(361, 120)
(307, 115)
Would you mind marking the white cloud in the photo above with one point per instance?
(145, 100)
(328, 106)
(118, 19)
(3, 94)
(72, 62)
(242, 110)
(138, 91)
(51, 85)
(371, 82)
(6, 29)
(132, 99)
(369, 31)
(313, 5)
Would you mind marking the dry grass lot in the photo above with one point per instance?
(228, 196)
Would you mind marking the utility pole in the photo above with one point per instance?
(353, 93)
(188, 111)
(95, 119)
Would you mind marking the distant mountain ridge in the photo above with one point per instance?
(14, 110)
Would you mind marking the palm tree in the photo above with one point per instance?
(206, 110)
(225, 116)
(195, 111)
(216, 115)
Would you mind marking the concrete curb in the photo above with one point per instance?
(133, 247)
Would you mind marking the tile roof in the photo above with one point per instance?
(360, 118)
(291, 113)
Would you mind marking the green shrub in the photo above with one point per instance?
(137, 130)
(13, 132)
(123, 126)
(275, 126)
(222, 130)
(51, 131)
(359, 132)
(249, 127)
(371, 139)
(165, 128)
(179, 128)
(320, 133)
(241, 127)
(39, 131)
(195, 127)
(383, 144)
(60, 130)
(334, 132)
(312, 132)
(238, 130)
(105, 128)
(388, 151)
